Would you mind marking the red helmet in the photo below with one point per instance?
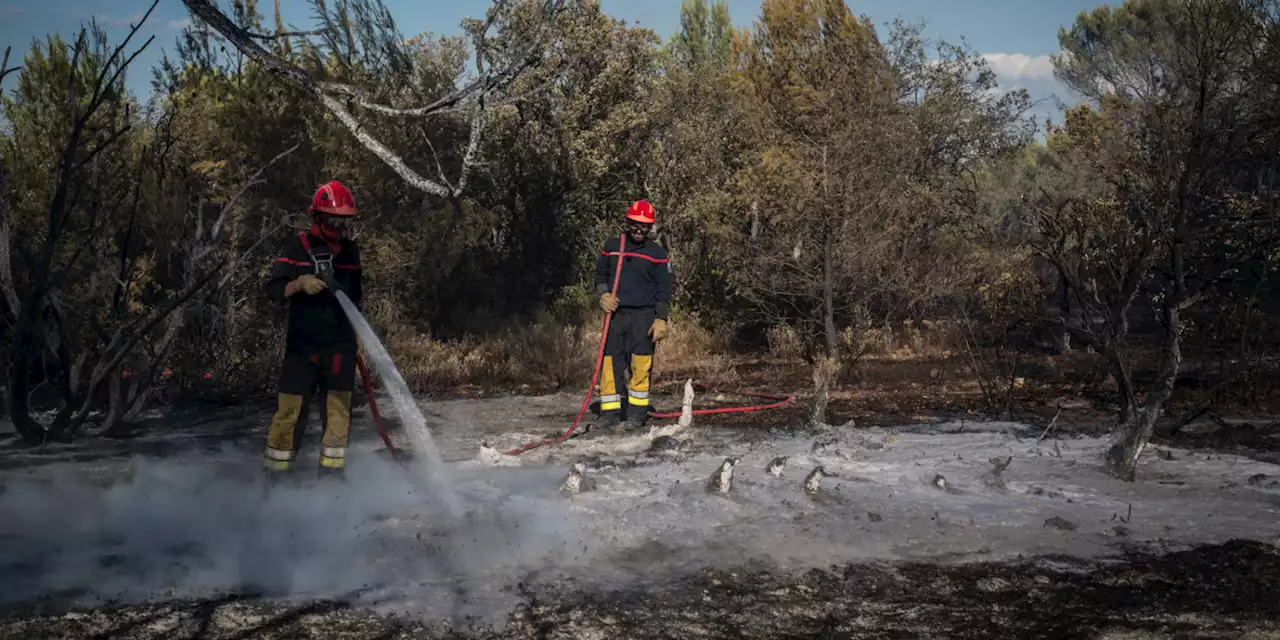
(641, 211)
(333, 198)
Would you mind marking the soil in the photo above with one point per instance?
(1145, 588)
(1216, 591)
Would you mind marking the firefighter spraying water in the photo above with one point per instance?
(320, 342)
(319, 276)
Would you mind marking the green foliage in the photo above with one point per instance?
(705, 39)
(694, 150)
(854, 168)
(1153, 198)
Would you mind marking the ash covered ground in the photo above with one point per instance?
(172, 534)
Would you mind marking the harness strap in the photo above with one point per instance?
(315, 261)
(306, 244)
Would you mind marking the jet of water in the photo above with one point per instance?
(405, 405)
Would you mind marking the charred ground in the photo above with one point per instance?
(1151, 588)
(1225, 590)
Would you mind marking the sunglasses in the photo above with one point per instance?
(336, 222)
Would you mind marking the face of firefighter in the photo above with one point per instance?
(637, 231)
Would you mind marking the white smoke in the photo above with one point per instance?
(194, 527)
(199, 525)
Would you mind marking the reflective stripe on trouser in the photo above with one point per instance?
(610, 399)
(336, 429)
(282, 442)
(628, 346)
(332, 373)
(638, 385)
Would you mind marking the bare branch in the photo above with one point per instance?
(12, 303)
(76, 52)
(107, 142)
(206, 11)
(126, 338)
(326, 93)
(439, 169)
(128, 335)
(443, 105)
(99, 92)
(388, 156)
(5, 70)
(477, 124)
(244, 256)
(253, 180)
(285, 34)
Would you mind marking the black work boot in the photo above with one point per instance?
(332, 473)
(273, 479)
(636, 420)
(607, 424)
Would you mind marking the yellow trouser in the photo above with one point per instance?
(628, 346)
(333, 374)
(284, 437)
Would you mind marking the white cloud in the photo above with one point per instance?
(1020, 66)
(179, 24)
(120, 21)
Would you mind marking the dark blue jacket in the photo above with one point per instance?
(646, 275)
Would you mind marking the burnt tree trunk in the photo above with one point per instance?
(1121, 458)
(19, 383)
(1062, 335)
(20, 387)
(827, 365)
(1124, 386)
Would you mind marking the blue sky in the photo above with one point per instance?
(1017, 36)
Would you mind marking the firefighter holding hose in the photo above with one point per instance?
(639, 319)
(320, 343)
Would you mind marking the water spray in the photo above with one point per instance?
(404, 402)
(401, 397)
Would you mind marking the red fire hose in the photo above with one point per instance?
(373, 406)
(595, 376)
(782, 401)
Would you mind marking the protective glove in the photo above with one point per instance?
(658, 330)
(310, 284)
(609, 303)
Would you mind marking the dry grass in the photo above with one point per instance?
(541, 356)
(545, 355)
(908, 341)
(691, 351)
(911, 367)
(905, 368)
